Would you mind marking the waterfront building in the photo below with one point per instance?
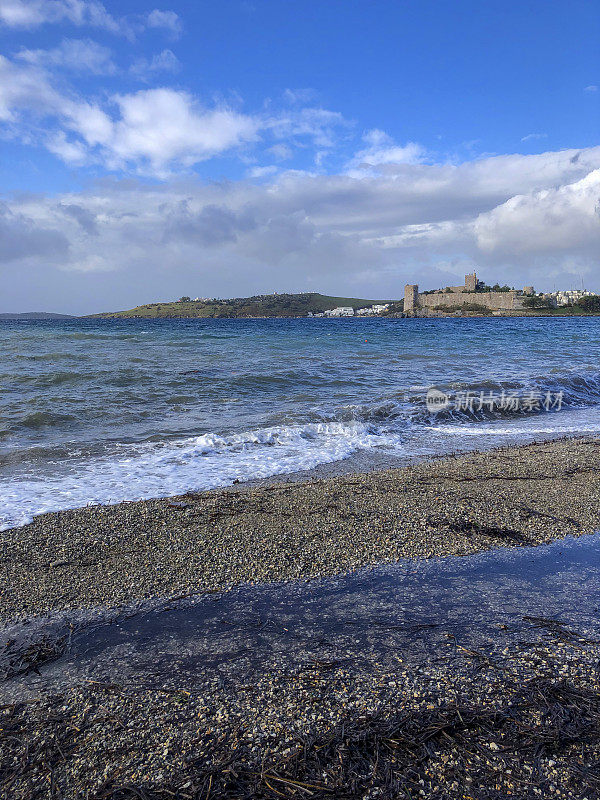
(340, 311)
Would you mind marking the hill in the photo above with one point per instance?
(263, 305)
(36, 315)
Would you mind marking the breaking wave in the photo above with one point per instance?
(489, 400)
(155, 410)
(202, 462)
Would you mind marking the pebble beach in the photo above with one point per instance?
(108, 555)
(519, 719)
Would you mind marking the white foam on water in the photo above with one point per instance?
(165, 468)
(162, 469)
(569, 422)
(495, 430)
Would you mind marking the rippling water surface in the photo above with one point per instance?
(106, 410)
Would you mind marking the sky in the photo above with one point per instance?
(249, 146)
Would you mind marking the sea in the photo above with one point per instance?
(101, 411)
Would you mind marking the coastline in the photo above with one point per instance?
(549, 313)
(207, 541)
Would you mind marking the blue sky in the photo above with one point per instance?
(236, 147)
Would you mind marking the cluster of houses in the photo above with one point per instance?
(567, 297)
(348, 311)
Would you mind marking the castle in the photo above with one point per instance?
(457, 296)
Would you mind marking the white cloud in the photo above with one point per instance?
(281, 152)
(382, 150)
(299, 96)
(564, 219)
(262, 172)
(159, 126)
(71, 152)
(517, 219)
(168, 20)
(83, 13)
(154, 131)
(532, 136)
(318, 125)
(79, 55)
(33, 13)
(90, 122)
(591, 88)
(165, 61)
(25, 90)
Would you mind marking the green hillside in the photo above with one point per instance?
(264, 305)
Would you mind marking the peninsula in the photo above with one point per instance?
(35, 315)
(474, 298)
(258, 306)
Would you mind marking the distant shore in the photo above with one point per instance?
(557, 314)
(548, 313)
(111, 555)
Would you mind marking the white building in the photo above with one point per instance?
(567, 297)
(340, 311)
(376, 308)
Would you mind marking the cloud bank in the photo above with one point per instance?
(522, 219)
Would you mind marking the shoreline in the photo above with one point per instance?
(284, 529)
(399, 315)
(524, 722)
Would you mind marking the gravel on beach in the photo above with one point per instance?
(519, 717)
(110, 555)
(521, 722)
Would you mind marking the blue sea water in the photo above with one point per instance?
(98, 411)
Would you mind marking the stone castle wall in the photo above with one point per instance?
(411, 297)
(496, 301)
(457, 296)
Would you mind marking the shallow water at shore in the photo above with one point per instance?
(413, 612)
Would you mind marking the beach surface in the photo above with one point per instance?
(511, 710)
(111, 555)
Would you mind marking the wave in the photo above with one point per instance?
(301, 440)
(163, 469)
(493, 400)
(42, 419)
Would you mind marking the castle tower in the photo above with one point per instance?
(471, 282)
(411, 296)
